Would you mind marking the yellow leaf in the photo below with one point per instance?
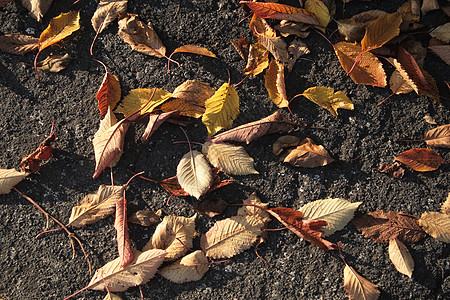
(194, 174)
(221, 109)
(320, 10)
(190, 268)
(275, 85)
(328, 99)
(400, 257)
(59, 28)
(259, 25)
(9, 178)
(437, 225)
(381, 31)
(139, 99)
(258, 59)
(357, 287)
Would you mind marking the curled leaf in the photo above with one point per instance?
(437, 225)
(145, 217)
(194, 49)
(296, 49)
(190, 268)
(400, 257)
(438, 137)
(320, 10)
(211, 207)
(308, 155)
(358, 287)
(276, 46)
(37, 8)
(54, 63)
(420, 159)
(353, 29)
(275, 85)
(242, 47)
(9, 178)
(32, 162)
(139, 99)
(123, 239)
(258, 59)
(18, 44)
(154, 122)
(109, 93)
(328, 99)
(107, 11)
(445, 207)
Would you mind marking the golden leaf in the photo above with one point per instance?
(9, 178)
(400, 257)
(221, 109)
(59, 28)
(357, 287)
(190, 268)
(18, 44)
(194, 174)
(139, 99)
(258, 59)
(275, 85)
(259, 25)
(381, 31)
(436, 224)
(438, 137)
(320, 10)
(328, 99)
(107, 11)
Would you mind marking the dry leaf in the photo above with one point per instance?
(381, 226)
(275, 85)
(429, 119)
(95, 207)
(400, 257)
(194, 49)
(221, 109)
(145, 217)
(437, 225)
(59, 28)
(357, 287)
(232, 160)
(190, 268)
(287, 28)
(443, 51)
(281, 12)
(429, 5)
(117, 279)
(307, 155)
(284, 142)
(111, 296)
(420, 159)
(242, 47)
(400, 82)
(194, 174)
(438, 137)
(369, 70)
(4, 2)
(211, 207)
(249, 132)
(142, 99)
(276, 46)
(410, 13)
(54, 63)
(320, 10)
(9, 178)
(17, 43)
(32, 162)
(259, 25)
(337, 212)
(381, 31)
(109, 93)
(296, 49)
(154, 122)
(445, 208)
(107, 11)
(254, 211)
(353, 29)
(174, 234)
(328, 99)
(141, 37)
(258, 59)
(393, 169)
(37, 8)
(123, 239)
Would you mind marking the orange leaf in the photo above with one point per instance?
(381, 31)
(259, 25)
(195, 50)
(242, 47)
(109, 93)
(275, 85)
(123, 239)
(31, 163)
(420, 159)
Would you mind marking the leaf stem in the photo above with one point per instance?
(356, 62)
(35, 64)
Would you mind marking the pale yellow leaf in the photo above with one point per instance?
(107, 11)
(140, 99)
(190, 268)
(233, 160)
(9, 178)
(59, 28)
(337, 212)
(400, 257)
(328, 99)
(357, 287)
(111, 296)
(320, 10)
(436, 224)
(275, 85)
(442, 33)
(37, 8)
(258, 59)
(194, 174)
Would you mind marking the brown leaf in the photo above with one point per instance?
(123, 239)
(194, 49)
(445, 207)
(37, 8)
(429, 119)
(249, 132)
(442, 33)
(242, 47)
(381, 226)
(154, 122)
(190, 268)
(255, 211)
(357, 287)
(308, 155)
(429, 5)
(275, 85)
(296, 49)
(145, 217)
(437, 225)
(276, 46)
(211, 207)
(443, 51)
(400, 82)
(353, 29)
(107, 11)
(9, 178)
(393, 169)
(420, 159)
(141, 37)
(259, 25)
(109, 93)
(32, 162)
(258, 59)
(310, 230)
(368, 70)
(54, 63)
(438, 137)
(283, 142)
(17, 43)
(381, 31)
(287, 28)
(400, 257)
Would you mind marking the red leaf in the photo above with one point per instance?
(109, 93)
(123, 240)
(31, 162)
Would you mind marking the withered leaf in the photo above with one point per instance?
(9, 178)
(358, 287)
(37, 8)
(328, 99)
(97, 206)
(126, 254)
(145, 217)
(310, 230)
(173, 234)
(308, 155)
(242, 47)
(443, 51)
(109, 93)
(438, 137)
(17, 43)
(258, 59)
(4, 2)
(320, 10)
(194, 174)
(249, 132)
(255, 211)
(445, 208)
(54, 63)
(296, 49)
(141, 37)
(154, 122)
(59, 28)
(353, 29)
(32, 162)
(442, 33)
(429, 5)
(107, 11)
(276, 46)
(117, 279)
(420, 159)
(190, 268)
(381, 31)
(283, 142)
(393, 169)
(259, 25)
(400, 257)
(211, 207)
(275, 85)
(287, 28)
(436, 224)
(145, 100)
(381, 226)
(111, 296)
(194, 49)
(400, 82)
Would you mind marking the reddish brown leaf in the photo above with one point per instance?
(109, 93)
(123, 240)
(381, 226)
(420, 159)
(18, 44)
(154, 122)
(310, 230)
(443, 51)
(393, 169)
(211, 207)
(242, 47)
(32, 162)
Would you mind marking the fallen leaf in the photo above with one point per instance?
(211, 207)
(107, 11)
(18, 44)
(221, 109)
(400, 83)
(437, 225)
(353, 29)
(174, 234)
(32, 162)
(117, 279)
(109, 93)
(4, 2)
(233, 160)
(443, 51)
(320, 10)
(145, 217)
(420, 159)
(154, 122)
(141, 37)
(287, 28)
(258, 59)
(59, 28)
(275, 85)
(249, 132)
(429, 119)
(410, 12)
(381, 226)
(381, 31)
(254, 209)
(96, 206)
(260, 26)
(310, 230)
(242, 47)
(111, 296)
(393, 169)
(429, 5)
(123, 239)
(307, 155)
(337, 212)
(445, 208)
(276, 46)
(296, 49)
(194, 49)
(328, 99)
(400, 257)
(368, 70)
(190, 268)
(281, 12)
(357, 287)
(433, 92)
(438, 137)
(9, 178)
(284, 142)
(194, 174)
(138, 99)
(37, 8)
(54, 63)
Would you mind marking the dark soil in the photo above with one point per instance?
(359, 140)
